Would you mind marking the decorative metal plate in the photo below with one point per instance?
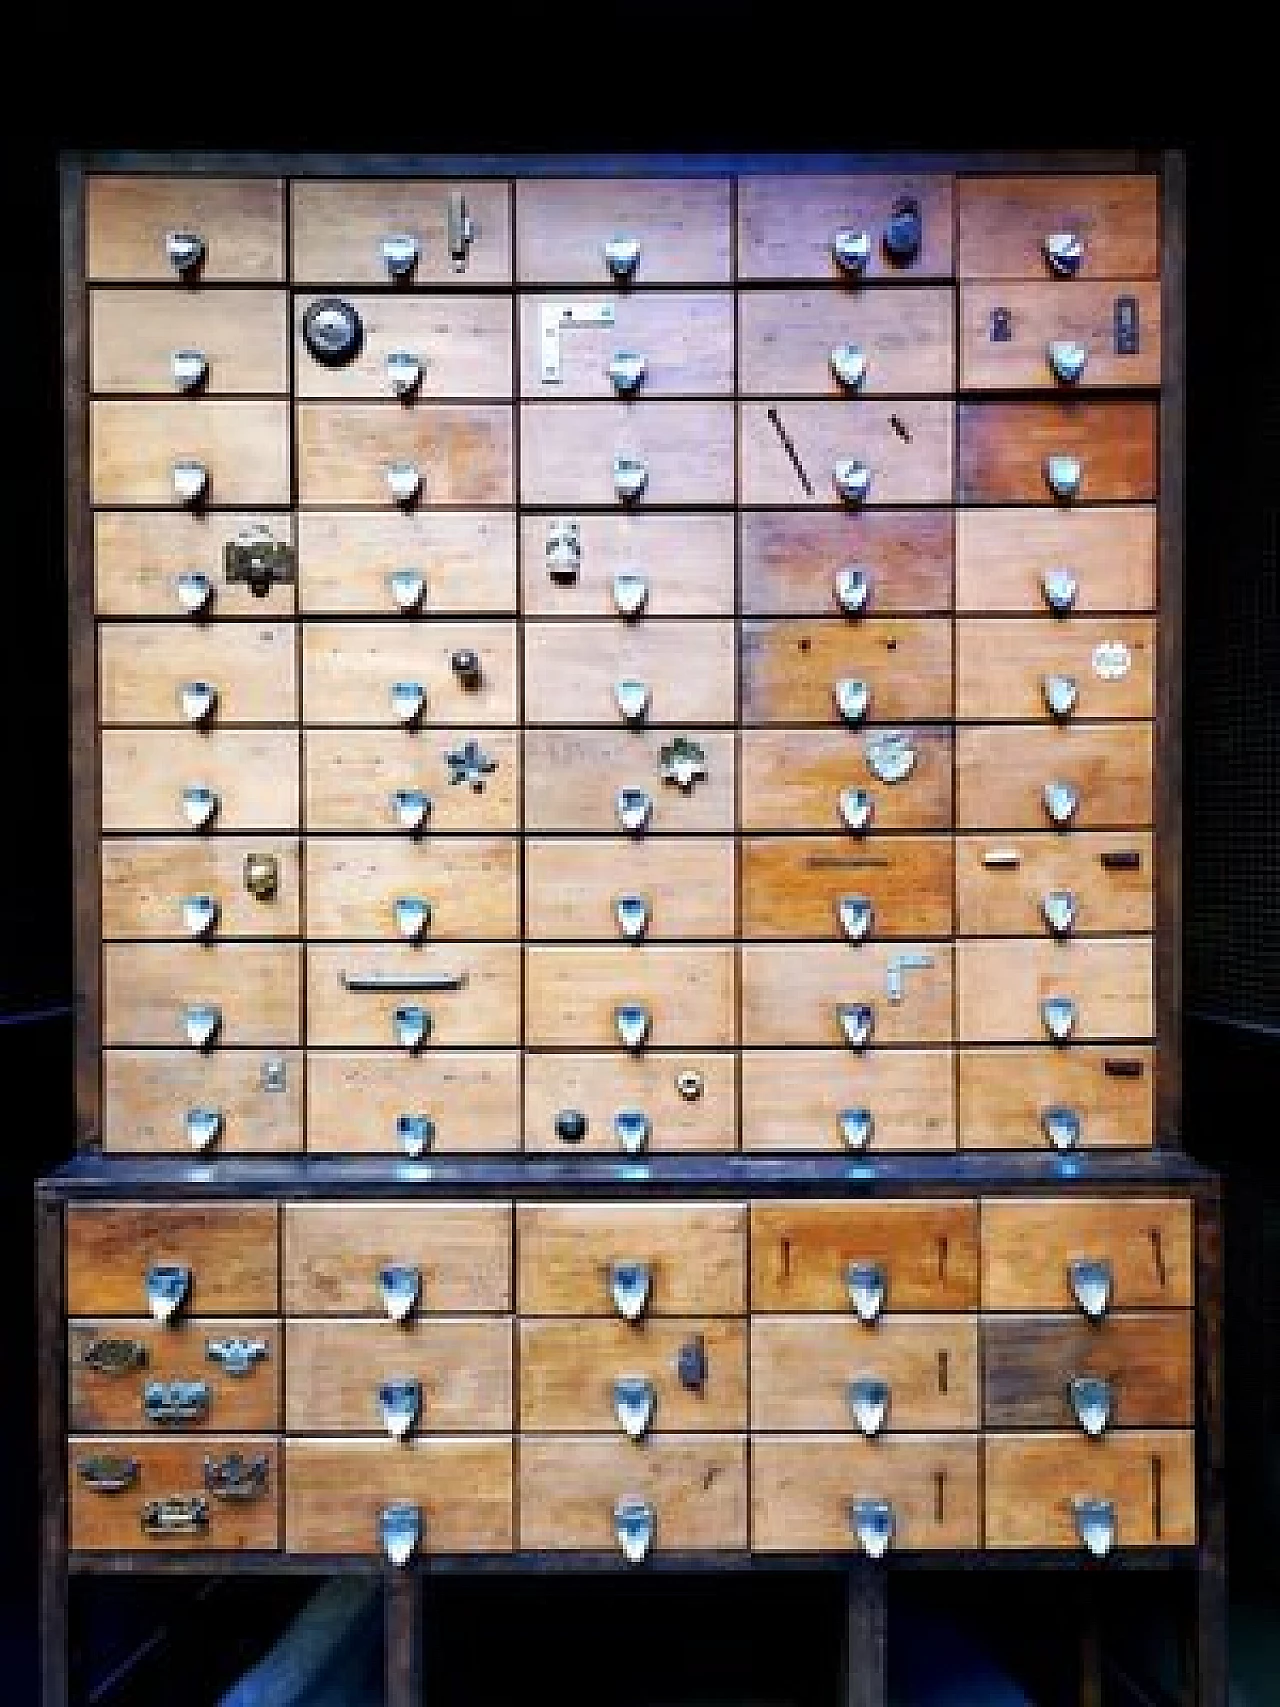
(257, 559)
(470, 763)
(691, 1364)
(262, 876)
(175, 1401)
(564, 550)
(237, 1478)
(178, 1514)
(236, 1357)
(683, 762)
(108, 1473)
(114, 1356)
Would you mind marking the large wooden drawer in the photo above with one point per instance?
(688, 1100)
(1002, 223)
(462, 344)
(1002, 773)
(1033, 1481)
(229, 1249)
(1109, 873)
(148, 989)
(910, 462)
(1003, 557)
(172, 1475)
(1147, 1359)
(1002, 450)
(685, 339)
(101, 1396)
(791, 560)
(336, 1491)
(793, 779)
(786, 340)
(573, 671)
(356, 887)
(790, 997)
(802, 1368)
(568, 1370)
(465, 560)
(1030, 1244)
(1001, 989)
(243, 448)
(334, 1252)
(338, 229)
(144, 670)
(375, 1101)
(242, 335)
(141, 556)
(462, 1365)
(803, 1491)
(568, 452)
(1003, 666)
(572, 996)
(1006, 331)
(694, 1256)
(462, 452)
(251, 776)
(353, 778)
(147, 1095)
(927, 1253)
(354, 993)
(147, 880)
(239, 220)
(1006, 1093)
(793, 886)
(574, 778)
(819, 1099)
(793, 669)
(686, 563)
(682, 226)
(572, 886)
(695, 1487)
(351, 672)
(786, 224)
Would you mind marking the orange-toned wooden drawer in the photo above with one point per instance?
(353, 778)
(910, 462)
(695, 1487)
(255, 988)
(573, 671)
(686, 563)
(101, 1396)
(927, 1254)
(355, 990)
(241, 334)
(572, 887)
(242, 447)
(682, 226)
(1001, 989)
(568, 452)
(1003, 557)
(786, 224)
(351, 671)
(172, 1474)
(1004, 667)
(568, 1367)
(817, 1099)
(802, 1368)
(146, 669)
(1007, 332)
(337, 1489)
(694, 1256)
(239, 220)
(147, 1095)
(465, 561)
(462, 1365)
(791, 560)
(688, 1098)
(803, 1491)
(1146, 1358)
(794, 779)
(793, 668)
(790, 997)
(1005, 1094)
(1003, 450)
(685, 339)
(574, 778)
(140, 556)
(251, 775)
(462, 344)
(572, 996)
(461, 453)
(793, 886)
(365, 888)
(356, 1100)
(147, 880)
(786, 340)
(338, 229)
(1002, 223)
(1001, 776)
(230, 1250)
(1029, 1244)
(334, 1252)
(1001, 883)
(1033, 1481)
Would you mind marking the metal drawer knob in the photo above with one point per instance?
(856, 809)
(904, 231)
(1060, 695)
(633, 1402)
(197, 701)
(1066, 360)
(399, 1532)
(849, 365)
(629, 1284)
(622, 256)
(1095, 1522)
(332, 331)
(399, 254)
(399, 1404)
(408, 700)
(634, 1524)
(198, 805)
(1090, 1397)
(1090, 1281)
(190, 481)
(632, 699)
(168, 1402)
(856, 915)
(399, 1287)
(631, 1022)
(631, 1128)
(1061, 1126)
(866, 1285)
(410, 808)
(201, 1022)
(404, 481)
(167, 1286)
(868, 1397)
(630, 594)
(411, 1026)
(853, 589)
(237, 1478)
(857, 1020)
(1063, 251)
(1061, 801)
(856, 1127)
(852, 480)
(632, 915)
(626, 372)
(872, 1522)
(203, 1127)
(1058, 1015)
(851, 250)
(571, 1126)
(194, 590)
(634, 808)
(415, 1133)
(176, 1514)
(412, 916)
(630, 477)
(465, 664)
(404, 372)
(1059, 910)
(1063, 475)
(190, 369)
(184, 250)
(199, 914)
(1059, 589)
(408, 589)
(853, 698)
(236, 1357)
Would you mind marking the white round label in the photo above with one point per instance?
(1111, 660)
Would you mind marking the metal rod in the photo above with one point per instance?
(402, 980)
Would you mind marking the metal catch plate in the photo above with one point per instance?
(257, 559)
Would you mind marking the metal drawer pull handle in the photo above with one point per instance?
(178, 1514)
(634, 1523)
(852, 480)
(203, 1127)
(404, 372)
(630, 594)
(462, 230)
(1095, 1525)
(1060, 695)
(1061, 801)
(106, 1474)
(399, 254)
(626, 372)
(571, 1126)
(400, 1403)
(856, 809)
(114, 1356)
(633, 1402)
(236, 1357)
(857, 1020)
(184, 249)
(691, 1364)
(1066, 360)
(622, 256)
(853, 590)
(407, 701)
(1063, 475)
(197, 700)
(415, 1132)
(631, 1127)
(631, 1021)
(198, 805)
(237, 1478)
(564, 550)
(632, 915)
(856, 1127)
(399, 1287)
(1061, 1126)
(682, 762)
(1059, 910)
(632, 698)
(634, 808)
(868, 1397)
(629, 1288)
(1064, 252)
(400, 1531)
(195, 590)
(851, 250)
(199, 914)
(866, 1285)
(190, 369)
(262, 876)
(1058, 1016)
(1090, 1280)
(190, 480)
(1091, 1401)
(872, 1522)
(630, 477)
(412, 916)
(856, 915)
(408, 589)
(1059, 589)
(891, 755)
(175, 1401)
(410, 808)
(411, 1026)
(364, 981)
(201, 1022)
(404, 479)
(853, 699)
(849, 365)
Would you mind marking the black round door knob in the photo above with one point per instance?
(571, 1125)
(903, 233)
(466, 666)
(332, 330)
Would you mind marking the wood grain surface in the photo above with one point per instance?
(572, 670)
(355, 1097)
(785, 340)
(1002, 222)
(467, 560)
(570, 995)
(243, 445)
(1001, 450)
(1002, 662)
(167, 1469)
(1005, 900)
(145, 879)
(600, 1086)
(138, 556)
(349, 669)
(335, 1368)
(230, 1249)
(472, 884)
(573, 776)
(1035, 315)
(486, 1010)
(1001, 774)
(352, 776)
(1002, 556)
(1147, 1357)
(142, 668)
(147, 1092)
(571, 886)
(802, 1491)
(242, 334)
(241, 221)
(910, 462)
(792, 780)
(567, 452)
(463, 452)
(463, 345)
(1003, 1093)
(568, 1368)
(792, 885)
(1031, 1481)
(687, 562)
(253, 773)
(337, 228)
(1028, 1243)
(696, 1485)
(696, 1254)
(786, 223)
(928, 1251)
(790, 559)
(790, 668)
(685, 337)
(682, 226)
(336, 1489)
(177, 1351)
(793, 998)
(1000, 986)
(147, 987)
(792, 1099)
(332, 1253)
(801, 1368)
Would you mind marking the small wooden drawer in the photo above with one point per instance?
(572, 887)
(569, 453)
(684, 338)
(141, 556)
(242, 336)
(1006, 1093)
(251, 776)
(682, 226)
(814, 1099)
(199, 1355)
(334, 1254)
(147, 1095)
(793, 886)
(1003, 557)
(353, 777)
(240, 221)
(686, 563)
(793, 779)
(693, 1256)
(798, 997)
(229, 1250)
(1005, 667)
(347, 453)
(369, 888)
(1002, 773)
(1030, 1244)
(148, 672)
(688, 1099)
(569, 1368)
(1147, 1360)
(353, 672)
(574, 672)
(803, 1370)
(149, 988)
(927, 1254)
(574, 778)
(1007, 332)
(339, 226)
(242, 447)
(1001, 884)
(1032, 1484)
(355, 992)
(786, 340)
(1003, 450)
(147, 881)
(786, 225)
(572, 996)
(793, 670)
(358, 1100)
(337, 1490)
(462, 1366)
(804, 1491)
(1001, 989)
(466, 562)
(791, 560)
(910, 462)
(462, 344)
(171, 1501)
(694, 1486)
(1002, 224)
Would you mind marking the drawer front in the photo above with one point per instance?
(1147, 1360)
(1002, 666)
(1028, 1245)
(684, 337)
(573, 671)
(695, 1487)
(910, 463)
(686, 563)
(135, 334)
(466, 562)
(243, 447)
(792, 669)
(144, 668)
(794, 1099)
(802, 1491)
(1003, 556)
(927, 1251)
(793, 779)
(483, 1009)
(147, 1094)
(568, 1371)
(791, 560)
(1032, 1482)
(695, 1255)
(792, 886)
(571, 888)
(350, 670)
(1001, 885)
(140, 555)
(355, 1100)
(681, 224)
(338, 230)
(797, 998)
(574, 777)
(170, 1471)
(338, 1488)
(571, 995)
(802, 1370)
(354, 776)
(355, 886)
(148, 988)
(568, 452)
(1006, 331)
(1001, 986)
(786, 224)
(462, 452)
(230, 1250)
(239, 220)
(1001, 225)
(102, 1398)
(333, 1253)
(146, 881)
(1001, 776)
(462, 345)
(689, 1099)
(1005, 1093)
(463, 1369)
(1002, 450)
(786, 339)
(250, 773)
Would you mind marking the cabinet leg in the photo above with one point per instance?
(1089, 1675)
(55, 1624)
(864, 1678)
(402, 1633)
(1210, 1672)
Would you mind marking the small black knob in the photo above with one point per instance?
(466, 666)
(691, 1364)
(903, 232)
(332, 330)
(571, 1125)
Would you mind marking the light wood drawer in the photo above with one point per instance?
(686, 562)
(1001, 225)
(146, 1095)
(242, 335)
(333, 1253)
(1148, 1360)
(681, 224)
(792, 886)
(462, 452)
(802, 1491)
(795, 998)
(350, 669)
(355, 1100)
(462, 1366)
(139, 556)
(574, 776)
(148, 987)
(1029, 1244)
(470, 883)
(567, 452)
(1001, 776)
(240, 221)
(684, 337)
(1005, 1092)
(338, 227)
(601, 1087)
(467, 562)
(144, 667)
(802, 1367)
(1002, 557)
(100, 1398)
(484, 1010)
(1001, 986)
(1002, 448)
(793, 1099)
(927, 1251)
(786, 339)
(252, 774)
(243, 447)
(1006, 331)
(1032, 1482)
(571, 887)
(230, 1250)
(462, 345)
(696, 1487)
(171, 1470)
(910, 463)
(571, 995)
(1108, 872)
(791, 669)
(1002, 666)
(786, 224)
(792, 779)
(337, 1489)
(353, 776)
(695, 1255)
(572, 671)
(790, 559)
(568, 1369)
(145, 882)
